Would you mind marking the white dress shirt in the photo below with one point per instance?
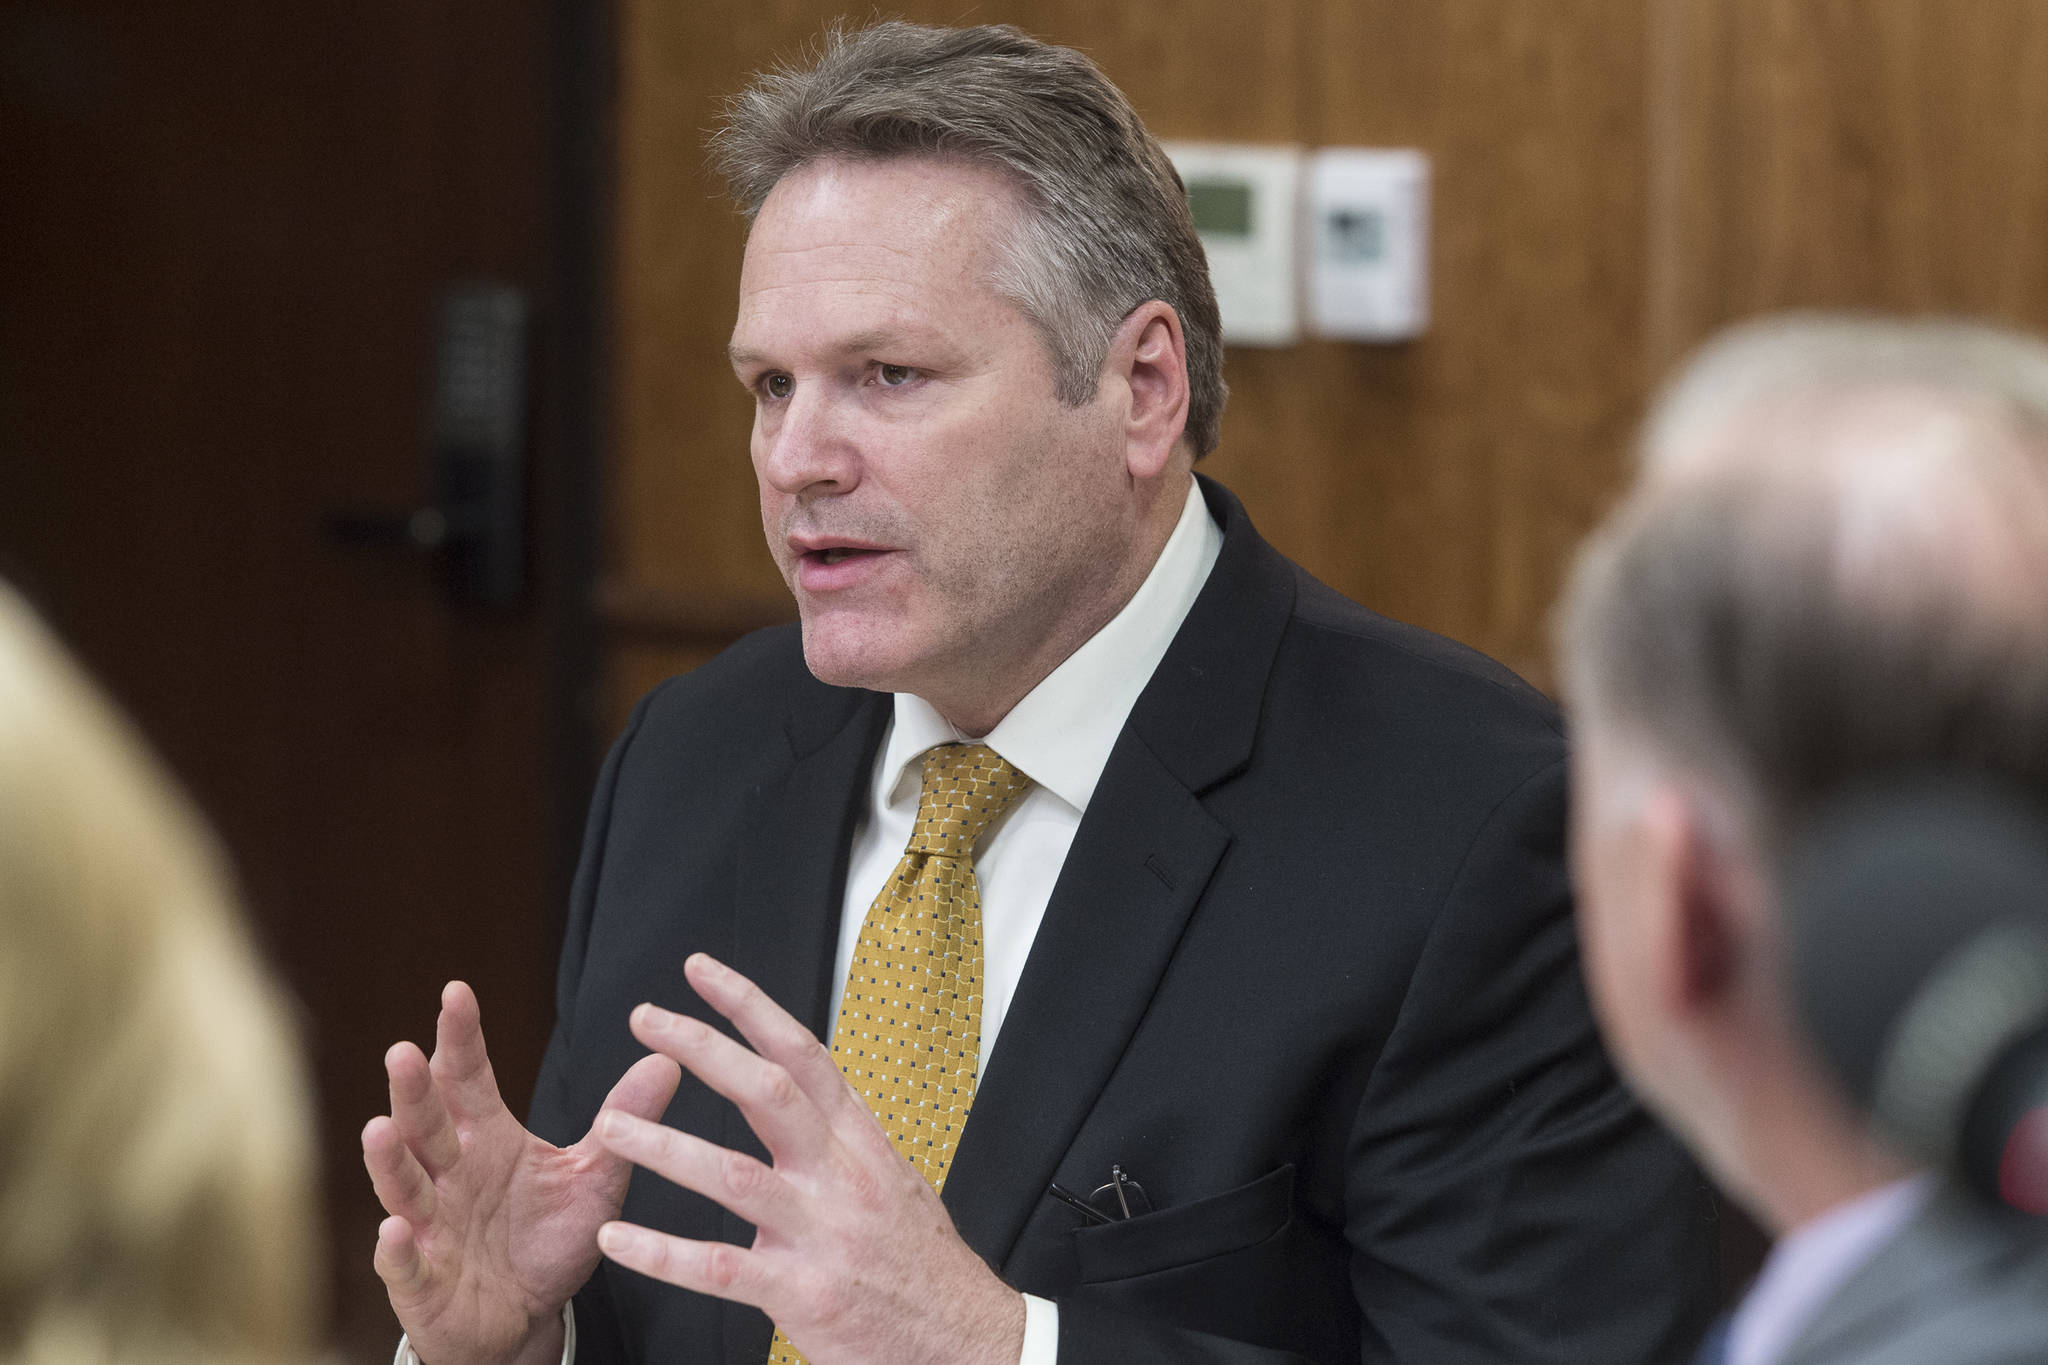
(1059, 736)
(1812, 1261)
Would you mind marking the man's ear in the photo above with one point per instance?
(1148, 357)
(1698, 943)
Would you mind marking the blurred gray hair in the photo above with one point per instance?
(1790, 602)
(1804, 353)
(1108, 226)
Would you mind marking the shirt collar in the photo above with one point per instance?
(1061, 733)
(1813, 1260)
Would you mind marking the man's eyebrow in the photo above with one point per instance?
(874, 339)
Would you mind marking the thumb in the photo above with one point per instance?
(644, 1091)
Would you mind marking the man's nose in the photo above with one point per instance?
(809, 446)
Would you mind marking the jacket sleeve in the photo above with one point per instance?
(1509, 1200)
(1506, 1200)
(554, 1114)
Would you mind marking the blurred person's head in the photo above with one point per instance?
(155, 1153)
(983, 347)
(1832, 568)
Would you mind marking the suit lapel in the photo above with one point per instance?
(1123, 898)
(792, 868)
(1140, 860)
(790, 880)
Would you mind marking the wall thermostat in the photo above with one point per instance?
(1246, 204)
(1368, 230)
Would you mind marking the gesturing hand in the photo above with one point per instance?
(854, 1257)
(491, 1229)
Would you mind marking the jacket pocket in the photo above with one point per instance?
(1187, 1233)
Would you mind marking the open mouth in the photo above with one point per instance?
(838, 553)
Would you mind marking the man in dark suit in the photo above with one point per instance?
(1085, 902)
(1832, 571)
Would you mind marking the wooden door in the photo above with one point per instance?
(226, 227)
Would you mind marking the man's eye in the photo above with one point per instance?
(778, 385)
(893, 376)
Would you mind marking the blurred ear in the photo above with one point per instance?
(1696, 948)
(1148, 358)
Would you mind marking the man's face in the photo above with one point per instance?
(945, 523)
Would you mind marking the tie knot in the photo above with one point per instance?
(965, 787)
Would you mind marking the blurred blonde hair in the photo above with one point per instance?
(155, 1152)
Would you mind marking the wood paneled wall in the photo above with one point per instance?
(1829, 153)
(1613, 179)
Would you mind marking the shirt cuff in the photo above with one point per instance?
(406, 1355)
(1041, 1332)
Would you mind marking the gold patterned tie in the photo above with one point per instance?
(909, 1034)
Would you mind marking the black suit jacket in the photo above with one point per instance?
(1308, 974)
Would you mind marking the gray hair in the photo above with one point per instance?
(1108, 226)
(1801, 592)
(1789, 354)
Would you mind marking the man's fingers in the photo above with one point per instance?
(416, 1106)
(772, 1103)
(734, 1180)
(716, 1268)
(398, 1260)
(400, 1181)
(646, 1088)
(644, 1092)
(776, 1035)
(461, 1063)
